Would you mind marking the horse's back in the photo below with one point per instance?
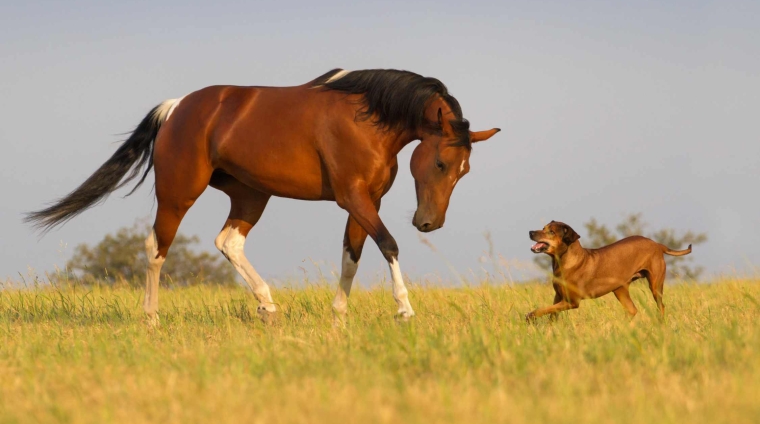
(266, 137)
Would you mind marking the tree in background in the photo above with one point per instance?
(599, 235)
(121, 257)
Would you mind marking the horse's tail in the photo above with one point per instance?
(677, 252)
(134, 154)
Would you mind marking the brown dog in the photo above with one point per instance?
(590, 273)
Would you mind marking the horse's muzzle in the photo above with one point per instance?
(426, 224)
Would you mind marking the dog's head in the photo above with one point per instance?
(553, 239)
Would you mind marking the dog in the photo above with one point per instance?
(580, 273)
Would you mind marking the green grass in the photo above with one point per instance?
(81, 355)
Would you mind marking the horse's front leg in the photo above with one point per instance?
(362, 209)
(353, 243)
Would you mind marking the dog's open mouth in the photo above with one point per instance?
(539, 247)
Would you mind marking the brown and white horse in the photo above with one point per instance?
(334, 138)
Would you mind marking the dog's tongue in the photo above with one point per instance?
(538, 245)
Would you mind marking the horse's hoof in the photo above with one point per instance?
(267, 317)
(403, 316)
(530, 318)
(152, 321)
(339, 320)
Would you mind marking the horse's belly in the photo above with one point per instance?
(282, 175)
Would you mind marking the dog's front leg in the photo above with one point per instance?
(562, 305)
(557, 298)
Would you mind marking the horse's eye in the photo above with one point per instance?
(439, 164)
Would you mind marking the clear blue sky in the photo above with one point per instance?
(606, 108)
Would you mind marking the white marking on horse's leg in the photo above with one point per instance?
(400, 293)
(150, 304)
(340, 74)
(219, 240)
(347, 273)
(233, 249)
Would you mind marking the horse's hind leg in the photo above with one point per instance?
(168, 217)
(246, 208)
(179, 183)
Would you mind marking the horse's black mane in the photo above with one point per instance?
(397, 99)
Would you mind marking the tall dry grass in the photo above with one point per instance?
(71, 354)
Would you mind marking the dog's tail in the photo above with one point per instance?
(677, 252)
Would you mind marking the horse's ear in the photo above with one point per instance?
(444, 124)
(483, 135)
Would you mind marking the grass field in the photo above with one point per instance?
(85, 355)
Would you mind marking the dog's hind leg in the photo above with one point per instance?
(624, 297)
(656, 277)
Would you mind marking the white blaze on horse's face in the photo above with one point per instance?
(461, 169)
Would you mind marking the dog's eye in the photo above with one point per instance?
(551, 233)
(439, 164)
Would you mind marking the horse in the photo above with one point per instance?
(334, 138)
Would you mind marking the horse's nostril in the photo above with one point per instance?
(425, 226)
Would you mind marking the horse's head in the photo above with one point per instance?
(440, 161)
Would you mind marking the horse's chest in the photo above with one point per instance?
(383, 180)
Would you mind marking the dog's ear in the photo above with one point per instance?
(570, 235)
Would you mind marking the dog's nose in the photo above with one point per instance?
(531, 233)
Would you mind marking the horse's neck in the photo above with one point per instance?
(398, 140)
